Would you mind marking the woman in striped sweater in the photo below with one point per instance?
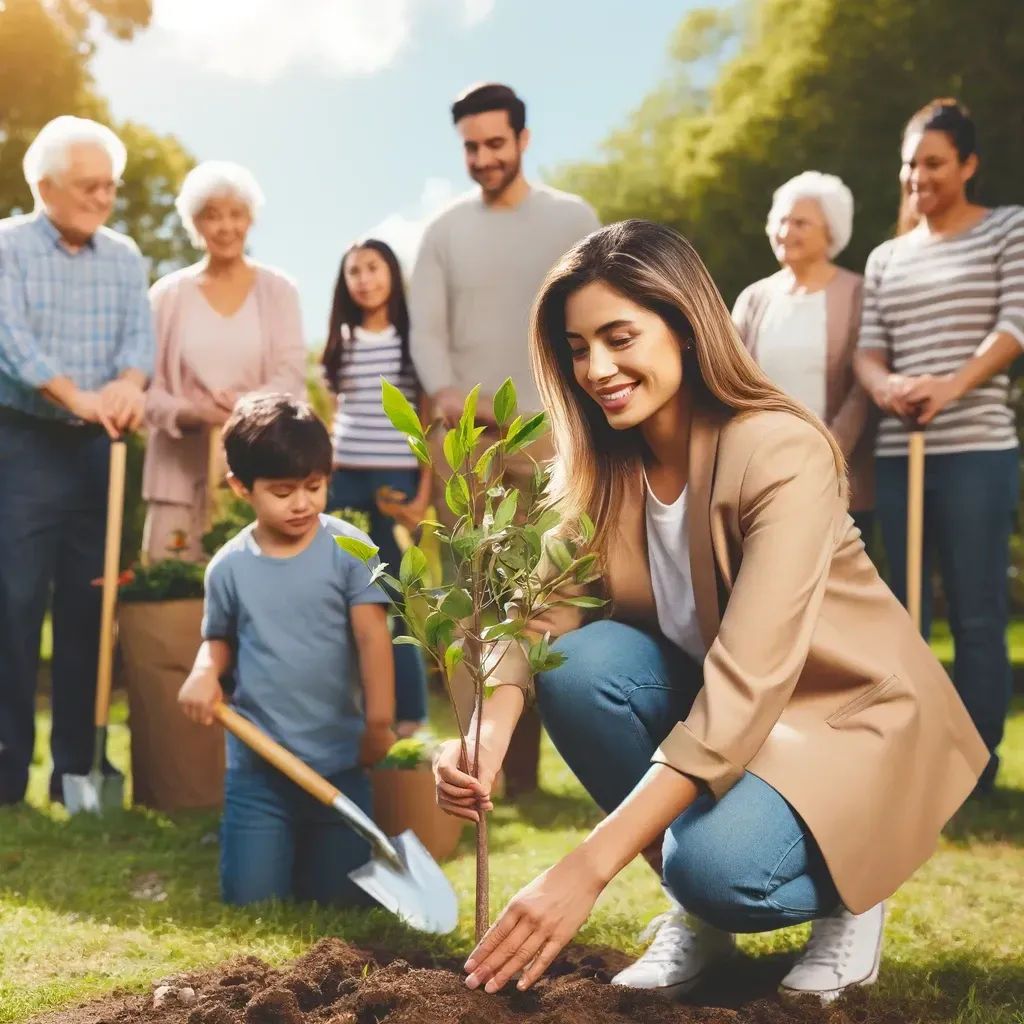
(374, 469)
(943, 319)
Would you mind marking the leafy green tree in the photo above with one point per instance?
(45, 50)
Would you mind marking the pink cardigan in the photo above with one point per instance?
(176, 459)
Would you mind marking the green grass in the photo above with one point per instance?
(74, 925)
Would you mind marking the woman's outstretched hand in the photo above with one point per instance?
(536, 925)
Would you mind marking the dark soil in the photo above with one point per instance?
(336, 984)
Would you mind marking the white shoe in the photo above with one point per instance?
(844, 951)
(682, 950)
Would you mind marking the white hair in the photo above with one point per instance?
(831, 195)
(49, 154)
(215, 179)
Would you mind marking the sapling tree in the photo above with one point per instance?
(510, 560)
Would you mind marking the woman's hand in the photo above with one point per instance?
(891, 396)
(458, 793)
(536, 925)
(203, 412)
(930, 395)
(394, 505)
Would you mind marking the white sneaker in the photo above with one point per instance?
(682, 950)
(844, 951)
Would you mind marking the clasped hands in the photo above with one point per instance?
(917, 399)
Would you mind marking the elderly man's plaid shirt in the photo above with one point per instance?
(83, 315)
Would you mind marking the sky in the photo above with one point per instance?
(340, 107)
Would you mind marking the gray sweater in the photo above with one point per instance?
(475, 279)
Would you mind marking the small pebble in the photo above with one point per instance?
(186, 995)
(161, 995)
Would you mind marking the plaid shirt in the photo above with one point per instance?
(82, 315)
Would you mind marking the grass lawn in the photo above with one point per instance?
(88, 905)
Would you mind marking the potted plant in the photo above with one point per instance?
(497, 544)
(403, 797)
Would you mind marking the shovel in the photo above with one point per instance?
(401, 875)
(915, 523)
(95, 792)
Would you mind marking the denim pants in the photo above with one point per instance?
(744, 863)
(53, 507)
(277, 842)
(356, 489)
(970, 501)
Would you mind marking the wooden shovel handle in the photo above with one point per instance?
(283, 760)
(915, 523)
(111, 574)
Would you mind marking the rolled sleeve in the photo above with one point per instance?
(137, 350)
(21, 356)
(1011, 283)
(790, 511)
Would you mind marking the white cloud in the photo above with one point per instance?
(403, 231)
(259, 39)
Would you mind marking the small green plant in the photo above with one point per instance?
(497, 544)
(169, 580)
(408, 753)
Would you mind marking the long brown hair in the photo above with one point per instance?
(658, 269)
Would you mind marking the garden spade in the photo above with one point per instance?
(401, 875)
(96, 791)
(915, 522)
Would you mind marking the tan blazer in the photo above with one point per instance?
(815, 679)
(849, 412)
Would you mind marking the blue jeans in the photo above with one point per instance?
(356, 489)
(970, 500)
(277, 842)
(744, 863)
(53, 507)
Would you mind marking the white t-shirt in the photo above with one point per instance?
(668, 554)
(792, 347)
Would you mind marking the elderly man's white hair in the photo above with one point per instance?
(831, 195)
(215, 179)
(49, 154)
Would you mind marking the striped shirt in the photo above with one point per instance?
(929, 303)
(82, 315)
(363, 435)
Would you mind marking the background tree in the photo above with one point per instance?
(45, 50)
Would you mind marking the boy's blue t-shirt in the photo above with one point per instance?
(296, 667)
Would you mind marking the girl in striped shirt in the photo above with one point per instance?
(374, 469)
(943, 320)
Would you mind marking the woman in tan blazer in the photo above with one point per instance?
(801, 324)
(753, 709)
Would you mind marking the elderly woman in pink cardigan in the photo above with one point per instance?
(225, 326)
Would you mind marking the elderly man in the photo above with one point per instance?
(76, 348)
(479, 268)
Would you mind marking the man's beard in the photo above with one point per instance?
(509, 174)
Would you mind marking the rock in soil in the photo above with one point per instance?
(336, 984)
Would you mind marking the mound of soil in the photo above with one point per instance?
(336, 984)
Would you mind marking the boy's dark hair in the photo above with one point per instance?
(480, 99)
(275, 437)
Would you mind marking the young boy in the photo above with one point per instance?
(285, 606)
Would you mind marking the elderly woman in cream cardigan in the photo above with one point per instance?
(801, 323)
(225, 327)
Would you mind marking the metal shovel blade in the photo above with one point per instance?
(419, 894)
(94, 792)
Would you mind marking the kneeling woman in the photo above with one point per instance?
(754, 711)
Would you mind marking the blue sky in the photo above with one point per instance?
(340, 107)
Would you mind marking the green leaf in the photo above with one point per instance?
(410, 640)
(583, 569)
(558, 552)
(438, 630)
(468, 419)
(452, 658)
(454, 448)
(553, 660)
(397, 408)
(506, 511)
(414, 567)
(586, 527)
(456, 494)
(357, 548)
(533, 539)
(457, 603)
(527, 433)
(548, 520)
(503, 629)
(483, 465)
(420, 450)
(474, 440)
(538, 652)
(583, 602)
(538, 481)
(505, 402)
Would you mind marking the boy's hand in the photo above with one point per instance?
(197, 697)
(377, 741)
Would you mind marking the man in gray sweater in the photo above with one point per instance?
(480, 266)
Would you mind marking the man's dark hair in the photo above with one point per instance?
(274, 437)
(479, 99)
